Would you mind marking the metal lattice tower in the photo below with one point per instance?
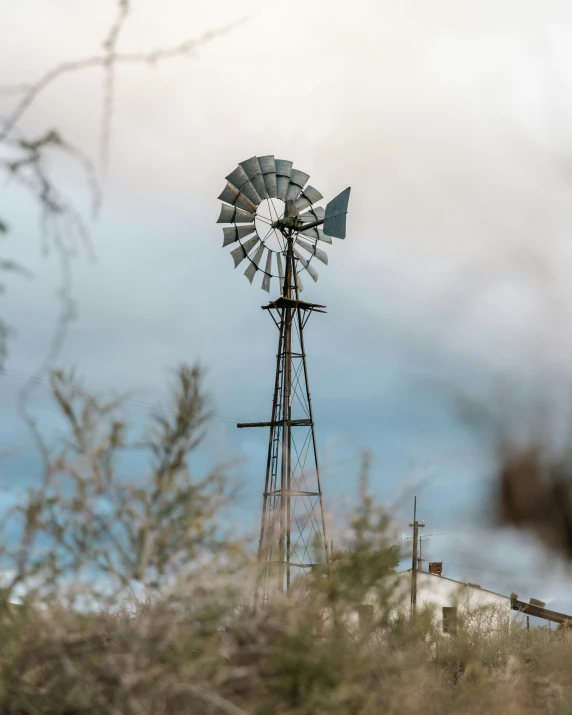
(277, 217)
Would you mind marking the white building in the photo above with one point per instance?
(453, 602)
(450, 602)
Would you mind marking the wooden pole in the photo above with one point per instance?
(414, 562)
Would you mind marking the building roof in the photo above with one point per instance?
(516, 605)
(462, 583)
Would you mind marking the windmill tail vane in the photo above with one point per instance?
(277, 227)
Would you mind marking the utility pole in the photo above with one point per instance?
(414, 562)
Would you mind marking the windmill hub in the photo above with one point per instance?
(289, 222)
(268, 212)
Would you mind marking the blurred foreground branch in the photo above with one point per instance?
(534, 492)
(26, 157)
(90, 520)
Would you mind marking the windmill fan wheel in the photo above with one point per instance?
(268, 203)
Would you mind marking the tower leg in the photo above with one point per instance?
(292, 530)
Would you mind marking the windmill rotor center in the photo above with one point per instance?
(268, 214)
(288, 222)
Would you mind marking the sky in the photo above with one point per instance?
(451, 123)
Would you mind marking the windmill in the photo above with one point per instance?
(278, 230)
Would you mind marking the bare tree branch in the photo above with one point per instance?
(32, 91)
(110, 45)
(61, 224)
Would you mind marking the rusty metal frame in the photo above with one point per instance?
(277, 554)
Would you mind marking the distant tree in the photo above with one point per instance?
(367, 557)
(89, 522)
(383, 560)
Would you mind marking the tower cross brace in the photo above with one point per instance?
(292, 530)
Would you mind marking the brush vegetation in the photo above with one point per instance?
(132, 599)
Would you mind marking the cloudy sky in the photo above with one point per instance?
(452, 123)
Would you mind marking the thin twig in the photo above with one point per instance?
(32, 91)
(110, 45)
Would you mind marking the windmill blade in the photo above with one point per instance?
(250, 192)
(267, 273)
(230, 214)
(230, 194)
(240, 253)
(259, 186)
(232, 234)
(298, 180)
(299, 282)
(268, 168)
(243, 202)
(292, 192)
(290, 210)
(284, 167)
(253, 267)
(280, 271)
(247, 199)
(254, 172)
(282, 183)
(336, 210)
(283, 172)
(316, 213)
(238, 177)
(270, 182)
(226, 214)
(267, 164)
(309, 196)
(251, 167)
(317, 234)
(314, 250)
(307, 265)
(243, 216)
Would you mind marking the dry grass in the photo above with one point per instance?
(167, 660)
(133, 603)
